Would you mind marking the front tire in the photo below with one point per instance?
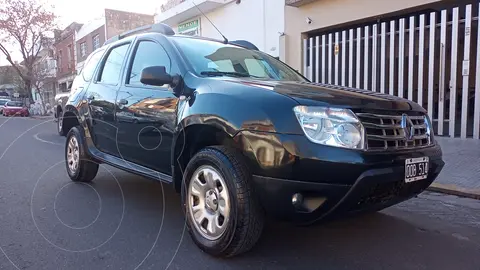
(223, 215)
(80, 167)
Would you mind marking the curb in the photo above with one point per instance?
(41, 117)
(455, 190)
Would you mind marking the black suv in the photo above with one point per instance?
(242, 136)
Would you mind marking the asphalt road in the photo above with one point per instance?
(122, 221)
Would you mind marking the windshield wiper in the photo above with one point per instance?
(226, 73)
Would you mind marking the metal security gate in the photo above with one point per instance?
(429, 58)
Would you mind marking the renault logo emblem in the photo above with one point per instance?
(407, 126)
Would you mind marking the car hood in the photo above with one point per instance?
(312, 94)
(62, 95)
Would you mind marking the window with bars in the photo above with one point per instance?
(69, 57)
(83, 49)
(59, 57)
(96, 42)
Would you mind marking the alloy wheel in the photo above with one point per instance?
(60, 123)
(209, 202)
(73, 155)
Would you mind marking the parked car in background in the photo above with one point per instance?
(3, 101)
(14, 108)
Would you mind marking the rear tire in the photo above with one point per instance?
(80, 167)
(243, 218)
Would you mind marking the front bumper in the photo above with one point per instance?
(331, 181)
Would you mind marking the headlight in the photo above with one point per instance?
(428, 122)
(331, 126)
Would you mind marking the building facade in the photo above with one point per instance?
(94, 33)
(65, 56)
(45, 70)
(427, 51)
(117, 22)
(89, 38)
(258, 21)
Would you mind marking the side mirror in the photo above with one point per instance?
(156, 76)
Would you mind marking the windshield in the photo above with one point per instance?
(14, 104)
(211, 58)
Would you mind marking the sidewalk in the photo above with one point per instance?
(461, 174)
(46, 117)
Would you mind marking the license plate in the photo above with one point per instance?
(416, 169)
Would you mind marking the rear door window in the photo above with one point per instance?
(112, 68)
(91, 65)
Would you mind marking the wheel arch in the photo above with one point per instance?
(58, 110)
(70, 118)
(198, 134)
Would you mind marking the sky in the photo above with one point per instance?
(83, 11)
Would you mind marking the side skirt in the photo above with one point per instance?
(127, 165)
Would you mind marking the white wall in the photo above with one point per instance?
(258, 21)
(329, 13)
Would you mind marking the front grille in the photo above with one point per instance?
(385, 132)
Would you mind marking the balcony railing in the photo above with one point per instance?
(179, 11)
(170, 4)
(297, 3)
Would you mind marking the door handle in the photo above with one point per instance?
(122, 102)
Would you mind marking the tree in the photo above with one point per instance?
(25, 25)
(9, 77)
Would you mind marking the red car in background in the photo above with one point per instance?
(13, 108)
(3, 101)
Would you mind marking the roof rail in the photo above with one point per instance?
(245, 44)
(155, 28)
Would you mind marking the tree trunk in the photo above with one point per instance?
(42, 103)
(28, 88)
(44, 110)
